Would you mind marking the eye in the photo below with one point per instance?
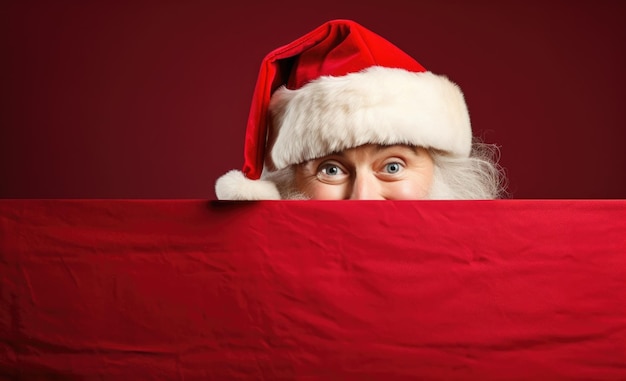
(331, 170)
(393, 167)
(331, 173)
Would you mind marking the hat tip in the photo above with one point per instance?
(234, 185)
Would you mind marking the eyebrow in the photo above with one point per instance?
(382, 147)
(379, 148)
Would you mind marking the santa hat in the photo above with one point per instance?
(339, 87)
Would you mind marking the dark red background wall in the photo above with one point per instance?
(112, 99)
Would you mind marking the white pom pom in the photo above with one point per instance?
(234, 185)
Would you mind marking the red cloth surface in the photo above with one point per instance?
(190, 289)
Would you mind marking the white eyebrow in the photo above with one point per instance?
(414, 149)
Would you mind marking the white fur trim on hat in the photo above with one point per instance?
(377, 106)
(234, 185)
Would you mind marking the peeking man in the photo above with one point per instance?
(341, 113)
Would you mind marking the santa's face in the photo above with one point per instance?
(368, 172)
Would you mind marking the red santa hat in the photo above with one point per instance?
(339, 87)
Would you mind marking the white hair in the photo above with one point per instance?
(477, 177)
(285, 180)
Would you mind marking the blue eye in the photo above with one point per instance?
(393, 167)
(332, 173)
(331, 170)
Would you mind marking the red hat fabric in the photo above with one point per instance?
(335, 48)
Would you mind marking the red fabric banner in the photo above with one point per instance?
(191, 289)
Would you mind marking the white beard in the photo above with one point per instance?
(440, 190)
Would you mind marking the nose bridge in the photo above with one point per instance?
(364, 186)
